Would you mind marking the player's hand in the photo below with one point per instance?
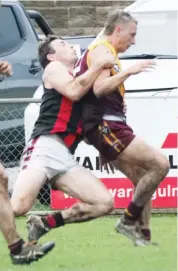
(106, 60)
(5, 68)
(105, 164)
(142, 66)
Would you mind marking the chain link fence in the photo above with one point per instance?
(17, 118)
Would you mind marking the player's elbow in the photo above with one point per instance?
(98, 90)
(74, 95)
(97, 93)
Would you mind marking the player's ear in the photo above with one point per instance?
(118, 29)
(51, 57)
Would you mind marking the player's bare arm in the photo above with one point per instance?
(106, 84)
(58, 77)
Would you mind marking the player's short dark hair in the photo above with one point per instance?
(115, 18)
(45, 48)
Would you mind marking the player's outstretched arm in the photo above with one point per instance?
(105, 83)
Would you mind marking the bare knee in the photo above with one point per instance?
(162, 166)
(19, 207)
(106, 205)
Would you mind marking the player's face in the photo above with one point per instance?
(64, 51)
(126, 36)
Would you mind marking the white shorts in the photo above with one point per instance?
(49, 153)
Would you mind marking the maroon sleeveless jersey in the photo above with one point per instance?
(94, 108)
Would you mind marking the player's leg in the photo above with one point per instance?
(52, 157)
(156, 167)
(139, 153)
(95, 200)
(7, 221)
(26, 189)
(116, 141)
(135, 173)
(32, 175)
(20, 253)
(78, 183)
(145, 221)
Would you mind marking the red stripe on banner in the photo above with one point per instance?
(171, 141)
(122, 191)
(63, 116)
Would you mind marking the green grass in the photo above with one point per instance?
(94, 246)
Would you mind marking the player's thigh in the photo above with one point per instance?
(27, 187)
(140, 154)
(82, 184)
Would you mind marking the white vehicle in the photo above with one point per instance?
(152, 99)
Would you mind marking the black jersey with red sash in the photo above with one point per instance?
(58, 115)
(112, 104)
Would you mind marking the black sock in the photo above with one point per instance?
(133, 212)
(16, 248)
(53, 221)
(146, 233)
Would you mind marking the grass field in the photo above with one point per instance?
(94, 246)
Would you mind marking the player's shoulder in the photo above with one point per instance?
(55, 67)
(99, 48)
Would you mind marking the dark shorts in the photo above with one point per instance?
(110, 138)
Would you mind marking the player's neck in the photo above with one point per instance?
(113, 41)
(69, 66)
